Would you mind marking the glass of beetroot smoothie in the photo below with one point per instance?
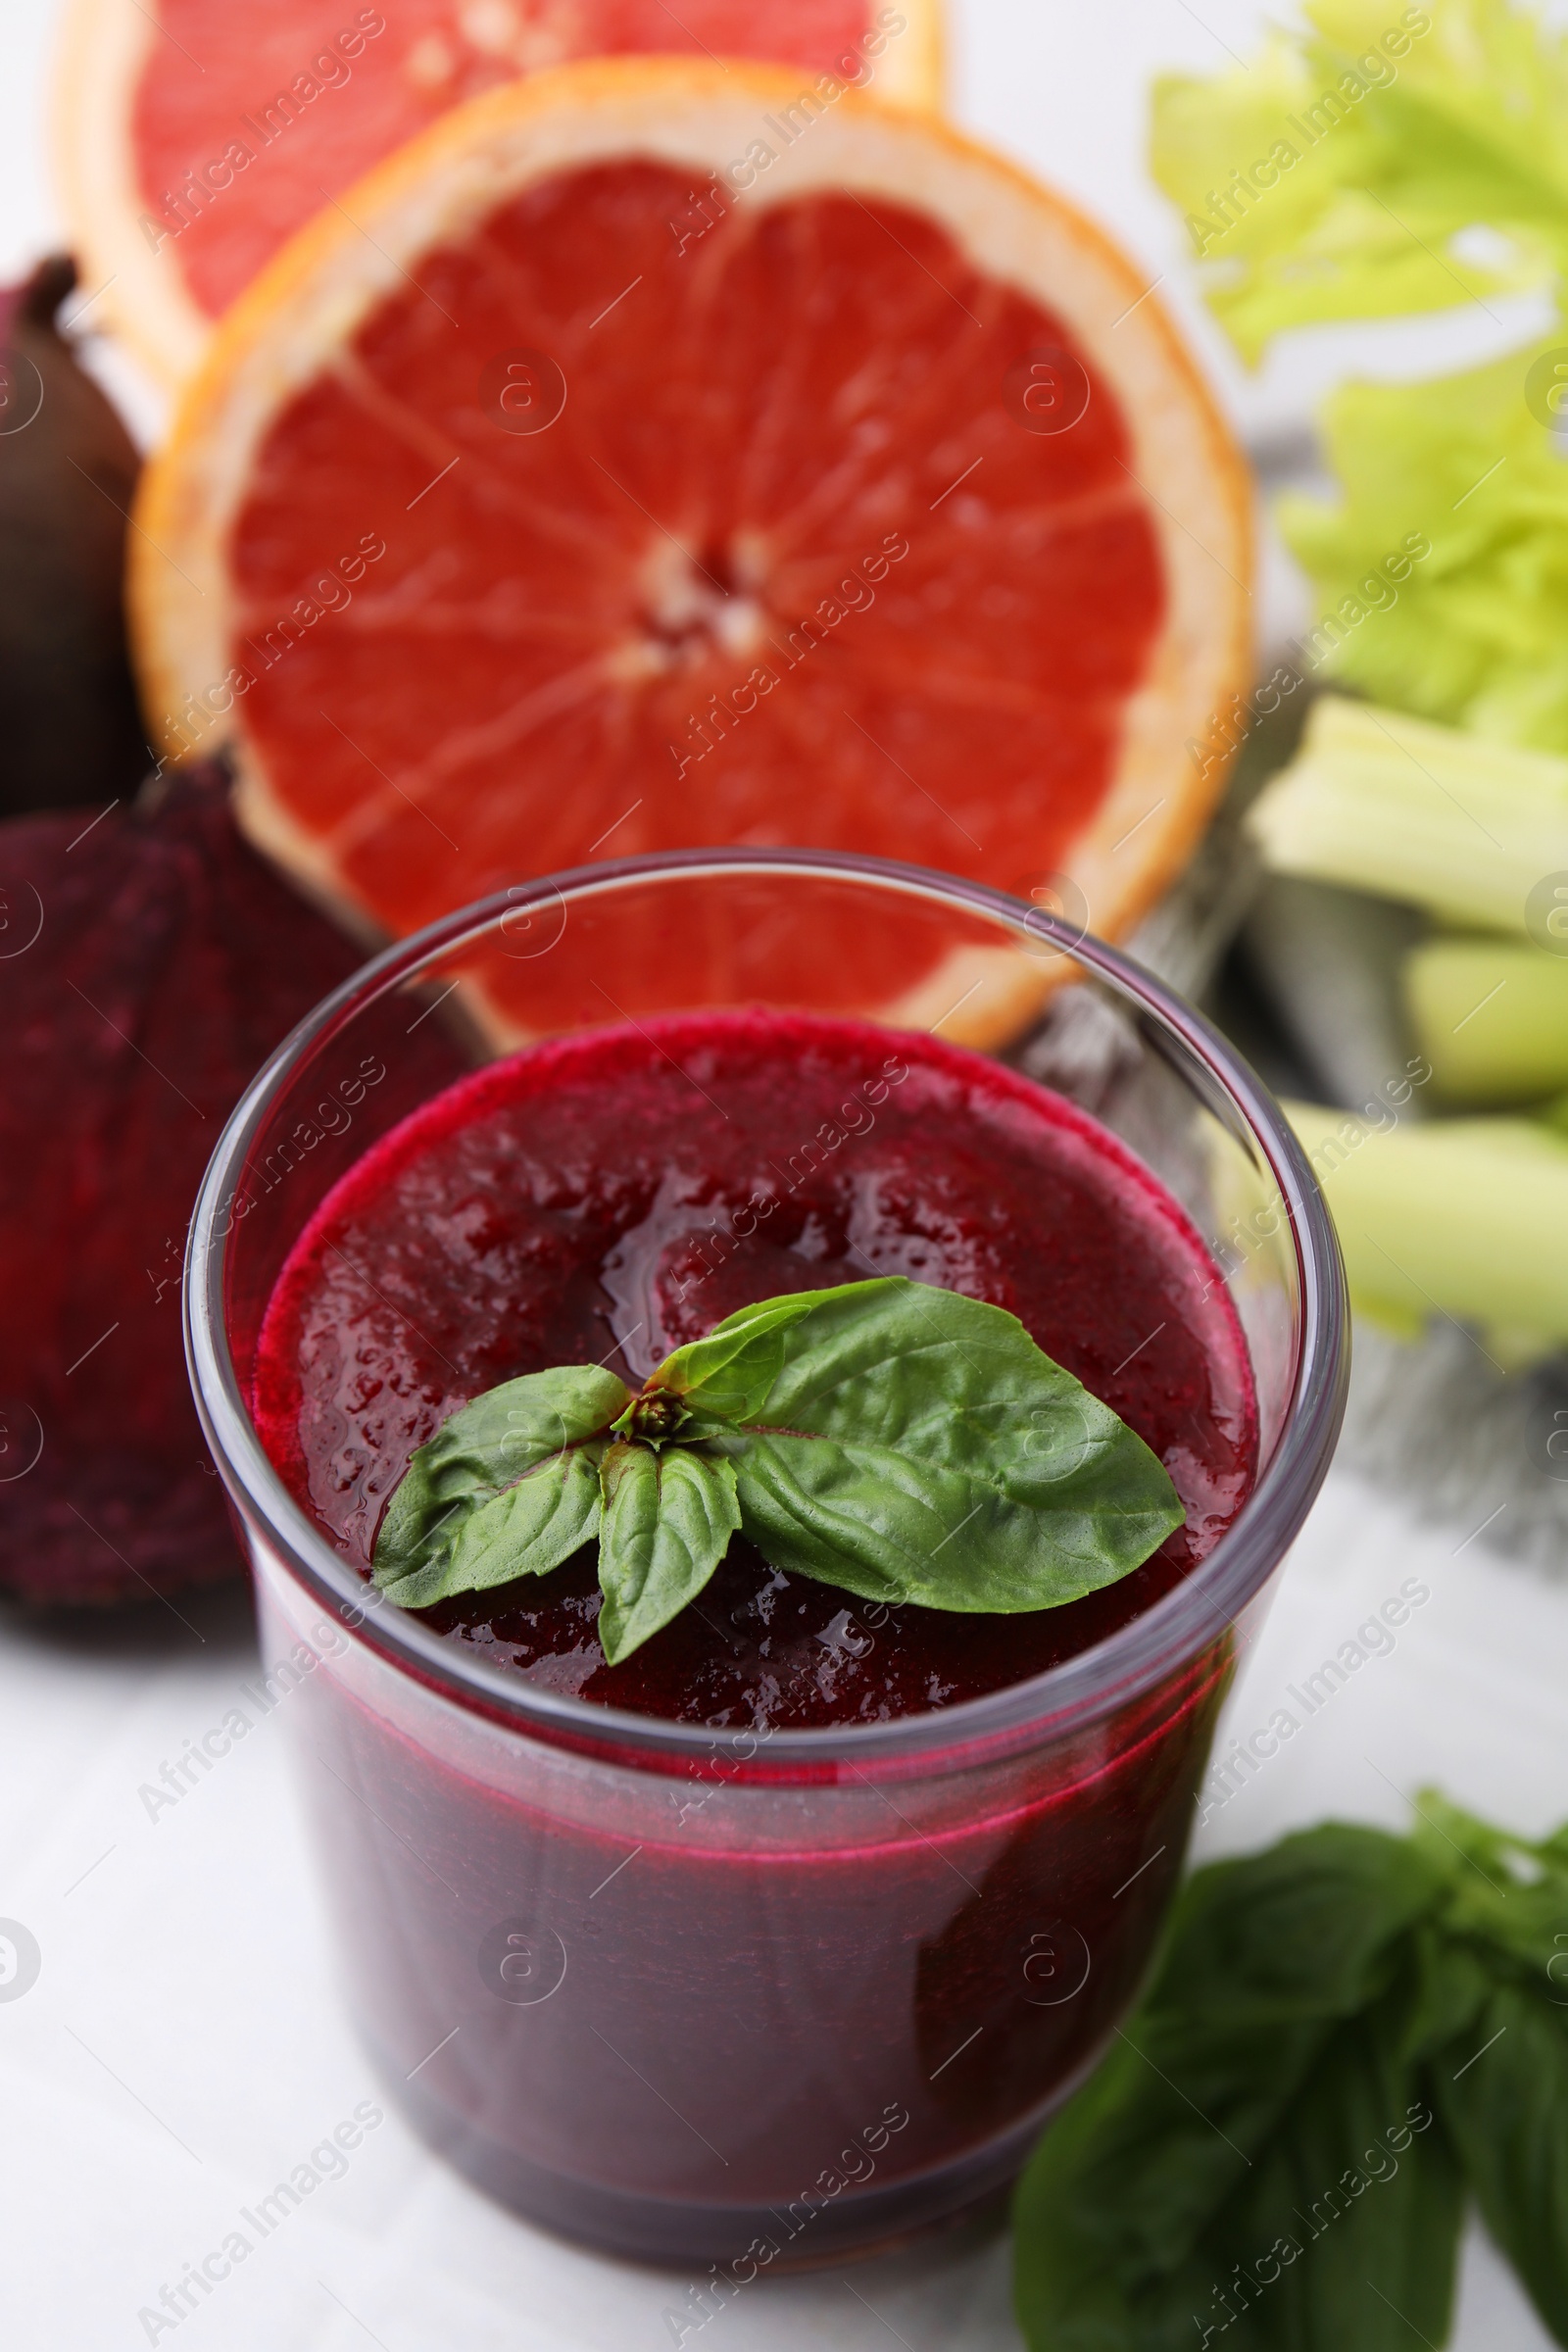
(783, 1937)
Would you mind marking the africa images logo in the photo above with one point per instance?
(20, 1960)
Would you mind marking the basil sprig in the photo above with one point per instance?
(1349, 2036)
(893, 1439)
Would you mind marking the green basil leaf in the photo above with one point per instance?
(1502, 2091)
(1301, 1930)
(1258, 2103)
(1452, 1984)
(891, 1439)
(1501, 2076)
(1341, 2228)
(484, 1447)
(728, 1374)
(529, 1528)
(667, 1520)
(885, 1526)
(1509, 1894)
(915, 1445)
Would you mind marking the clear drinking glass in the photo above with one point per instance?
(718, 1997)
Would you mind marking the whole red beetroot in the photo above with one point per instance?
(69, 722)
(149, 961)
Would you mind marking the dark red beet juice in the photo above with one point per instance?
(743, 2004)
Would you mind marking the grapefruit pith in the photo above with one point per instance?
(636, 471)
(195, 137)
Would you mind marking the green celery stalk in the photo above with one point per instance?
(1461, 1217)
(1379, 801)
(1490, 1016)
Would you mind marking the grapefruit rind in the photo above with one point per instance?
(104, 47)
(312, 297)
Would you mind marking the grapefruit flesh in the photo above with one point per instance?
(711, 580)
(198, 135)
(786, 559)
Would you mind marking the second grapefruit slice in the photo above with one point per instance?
(194, 136)
(629, 465)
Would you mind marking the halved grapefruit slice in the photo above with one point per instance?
(634, 462)
(195, 137)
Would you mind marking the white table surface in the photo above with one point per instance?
(186, 2042)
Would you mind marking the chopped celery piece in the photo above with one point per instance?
(1449, 821)
(1474, 631)
(1492, 1017)
(1333, 173)
(1461, 1217)
(1370, 162)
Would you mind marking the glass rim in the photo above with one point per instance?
(1197, 1610)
